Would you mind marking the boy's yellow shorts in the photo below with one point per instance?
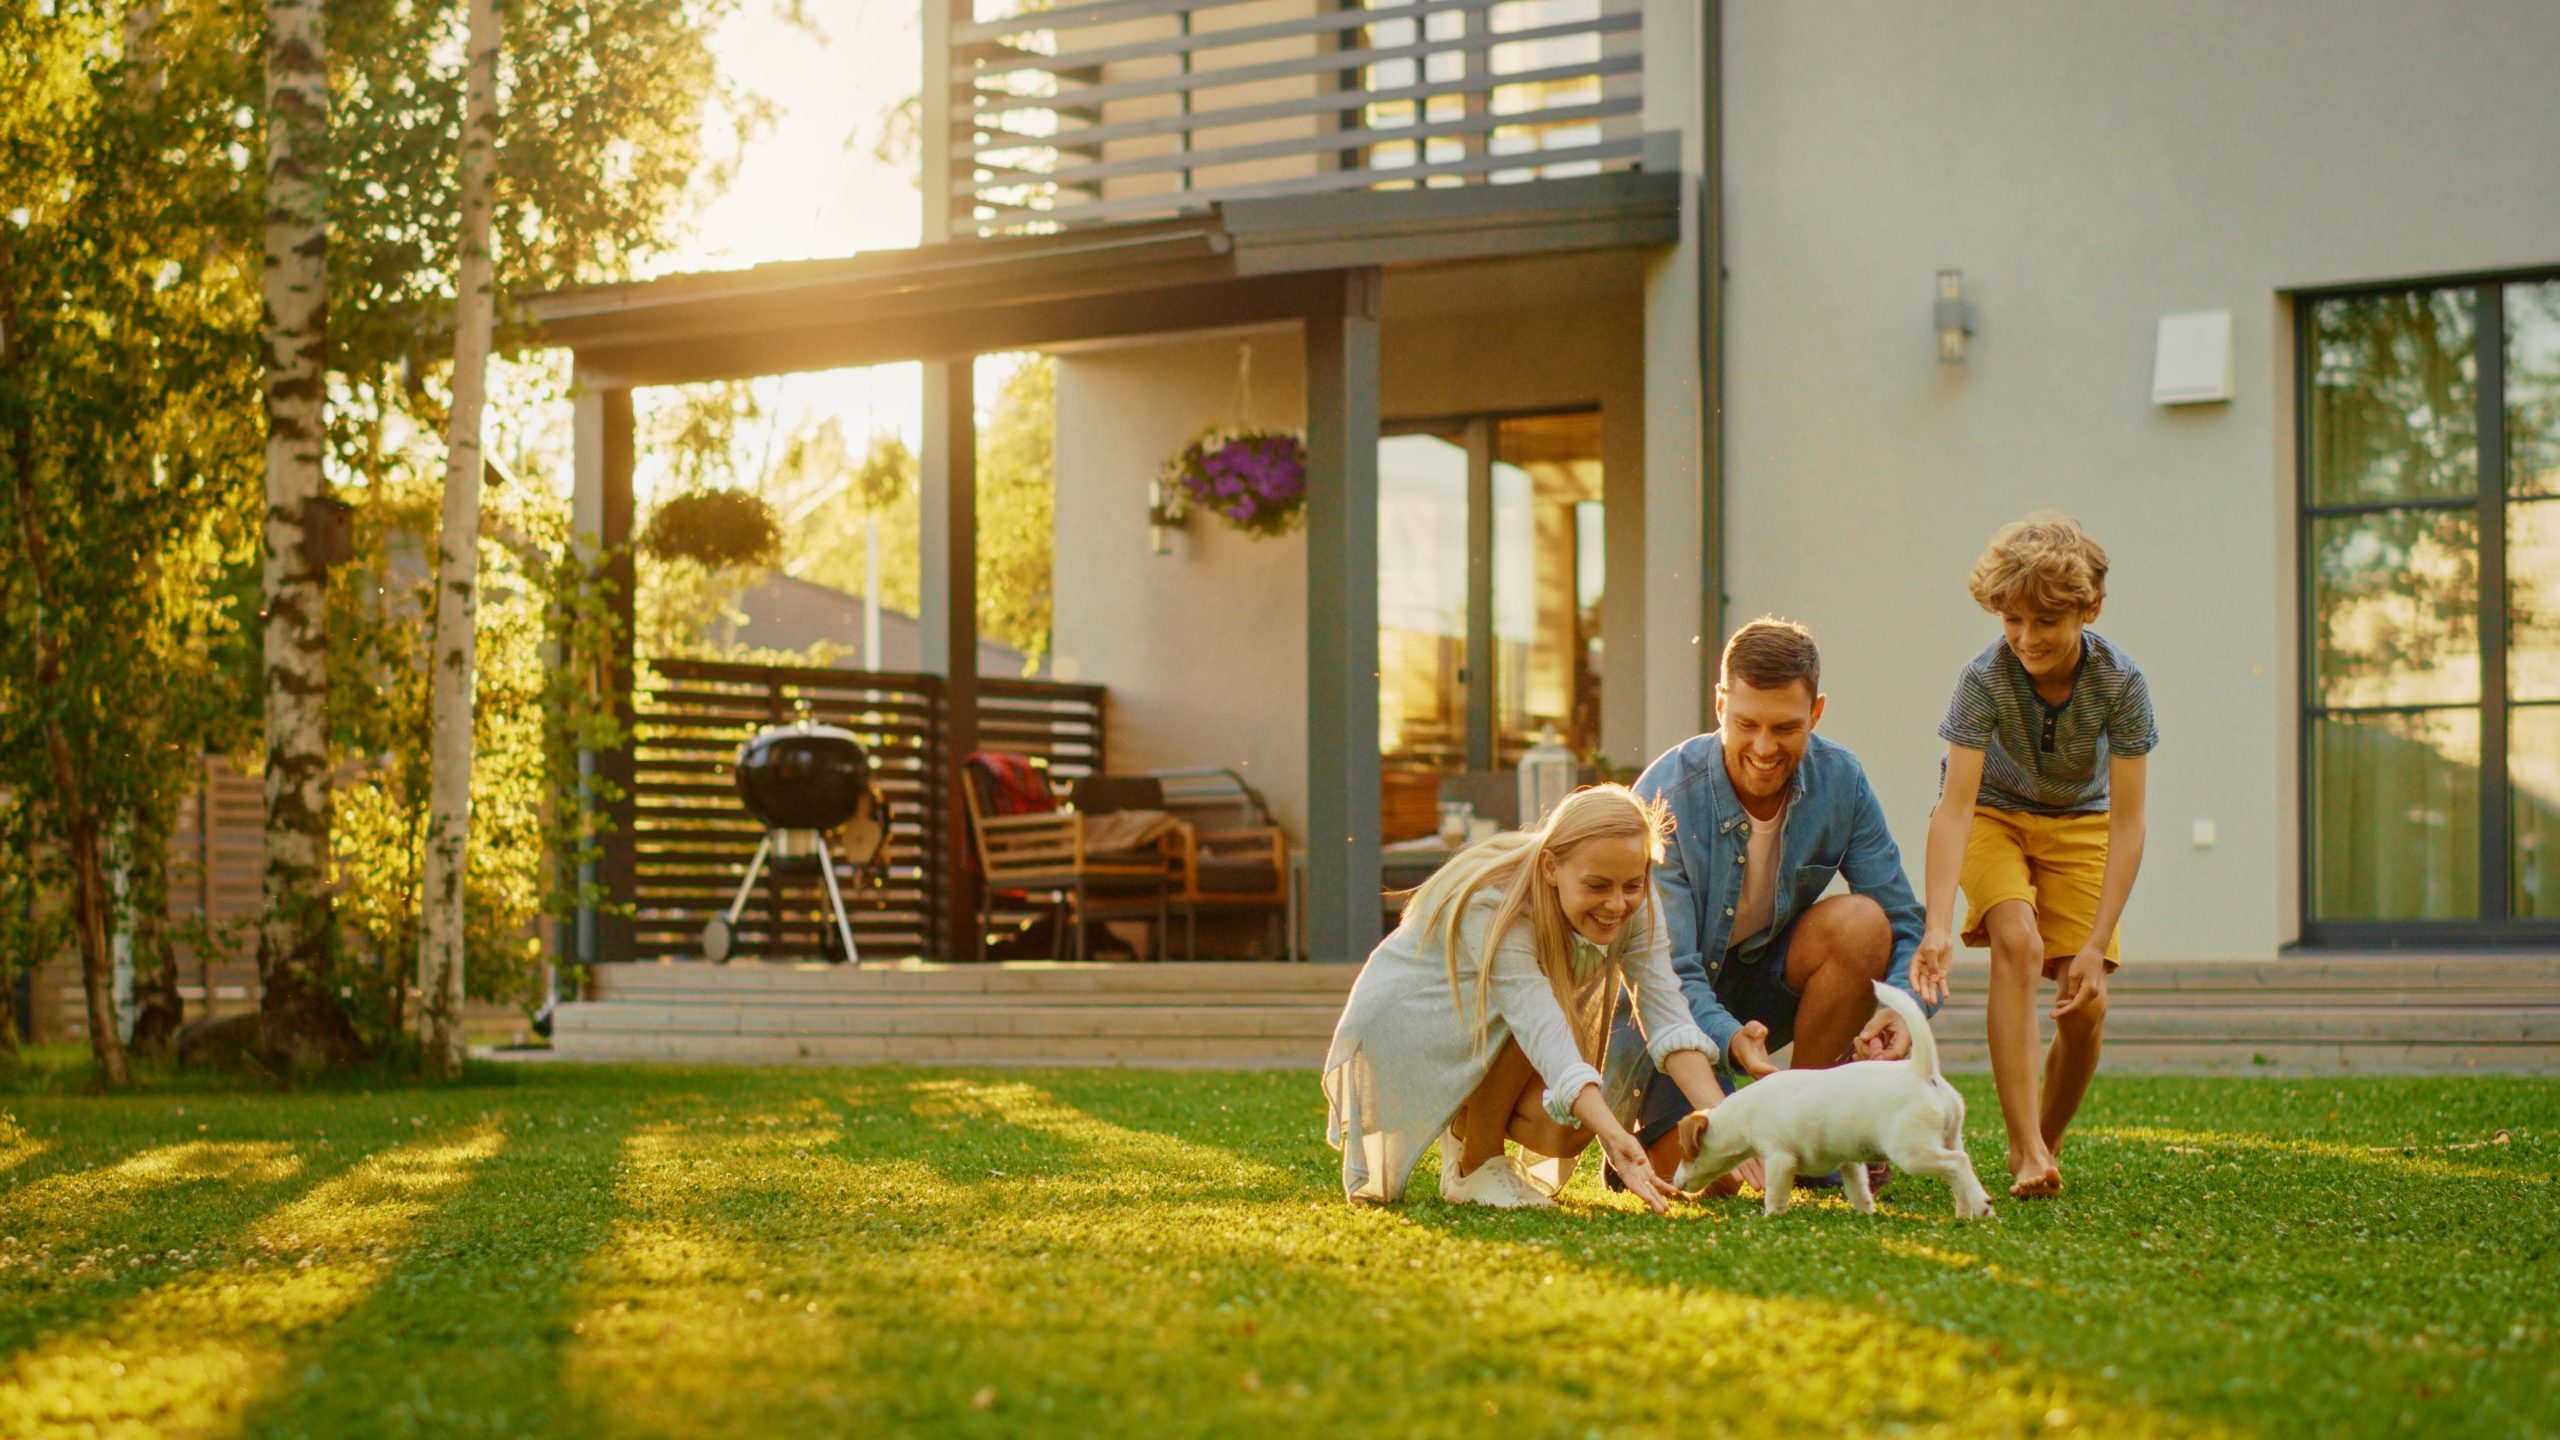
(2055, 863)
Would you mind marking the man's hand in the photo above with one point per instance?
(1883, 1039)
(2083, 982)
(1749, 1051)
(1929, 966)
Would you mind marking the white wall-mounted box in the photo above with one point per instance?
(2193, 363)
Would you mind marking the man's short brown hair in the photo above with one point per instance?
(2045, 564)
(1771, 654)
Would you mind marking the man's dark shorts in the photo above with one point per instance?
(1751, 990)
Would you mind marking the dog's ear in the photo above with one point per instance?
(1692, 1133)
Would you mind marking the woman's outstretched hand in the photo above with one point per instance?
(1627, 1157)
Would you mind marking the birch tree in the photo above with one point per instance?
(72, 798)
(300, 1023)
(440, 945)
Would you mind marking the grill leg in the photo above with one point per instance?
(747, 886)
(835, 899)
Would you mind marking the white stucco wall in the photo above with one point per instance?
(2089, 168)
(1204, 650)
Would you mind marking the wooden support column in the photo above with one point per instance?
(1343, 891)
(601, 516)
(949, 628)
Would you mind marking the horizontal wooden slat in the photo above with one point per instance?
(1076, 17)
(1083, 176)
(1197, 41)
(1325, 63)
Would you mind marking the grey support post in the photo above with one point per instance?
(1343, 890)
(950, 628)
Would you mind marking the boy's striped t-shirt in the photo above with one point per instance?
(2049, 759)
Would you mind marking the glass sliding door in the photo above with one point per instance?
(2431, 636)
(1465, 687)
(1548, 582)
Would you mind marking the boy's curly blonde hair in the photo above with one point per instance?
(2044, 564)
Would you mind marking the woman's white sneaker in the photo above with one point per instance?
(1497, 1182)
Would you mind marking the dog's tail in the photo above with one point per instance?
(1924, 1045)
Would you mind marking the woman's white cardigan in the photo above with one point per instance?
(1404, 1058)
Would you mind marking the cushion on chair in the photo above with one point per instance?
(1102, 794)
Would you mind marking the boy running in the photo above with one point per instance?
(2040, 819)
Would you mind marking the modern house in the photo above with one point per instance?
(1610, 322)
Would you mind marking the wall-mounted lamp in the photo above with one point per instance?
(1166, 513)
(1955, 318)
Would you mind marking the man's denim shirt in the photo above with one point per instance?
(1834, 827)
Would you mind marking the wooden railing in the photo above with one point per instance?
(1097, 110)
(694, 838)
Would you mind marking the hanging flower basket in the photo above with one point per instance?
(715, 529)
(1255, 480)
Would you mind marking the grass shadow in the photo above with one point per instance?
(80, 1240)
(461, 1335)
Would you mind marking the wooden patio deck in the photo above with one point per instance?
(2383, 1014)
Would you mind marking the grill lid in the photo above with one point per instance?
(803, 776)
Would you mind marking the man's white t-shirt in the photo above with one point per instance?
(1759, 878)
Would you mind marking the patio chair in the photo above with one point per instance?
(1232, 859)
(1028, 847)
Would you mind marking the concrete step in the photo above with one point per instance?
(1205, 1022)
(1041, 978)
(2294, 1058)
(1166, 1052)
(2376, 1013)
(2292, 1023)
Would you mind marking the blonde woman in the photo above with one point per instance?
(1486, 1015)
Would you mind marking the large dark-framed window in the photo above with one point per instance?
(2429, 533)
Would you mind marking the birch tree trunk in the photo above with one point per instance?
(299, 1021)
(71, 795)
(440, 940)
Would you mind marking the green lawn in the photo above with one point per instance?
(889, 1251)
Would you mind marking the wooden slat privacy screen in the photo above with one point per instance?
(217, 859)
(694, 837)
(1095, 110)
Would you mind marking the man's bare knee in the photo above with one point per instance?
(1847, 931)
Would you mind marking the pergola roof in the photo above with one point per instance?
(1242, 263)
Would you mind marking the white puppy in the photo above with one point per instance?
(1815, 1121)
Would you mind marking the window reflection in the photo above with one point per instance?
(2533, 811)
(2533, 600)
(2397, 811)
(2533, 389)
(2394, 403)
(2397, 600)
(1547, 582)
(1422, 600)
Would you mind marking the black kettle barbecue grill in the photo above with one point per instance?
(805, 781)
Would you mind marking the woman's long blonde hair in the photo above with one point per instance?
(1509, 864)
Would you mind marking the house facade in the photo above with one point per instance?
(2303, 568)
(1610, 322)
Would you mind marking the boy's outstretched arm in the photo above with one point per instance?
(1950, 825)
(2086, 978)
